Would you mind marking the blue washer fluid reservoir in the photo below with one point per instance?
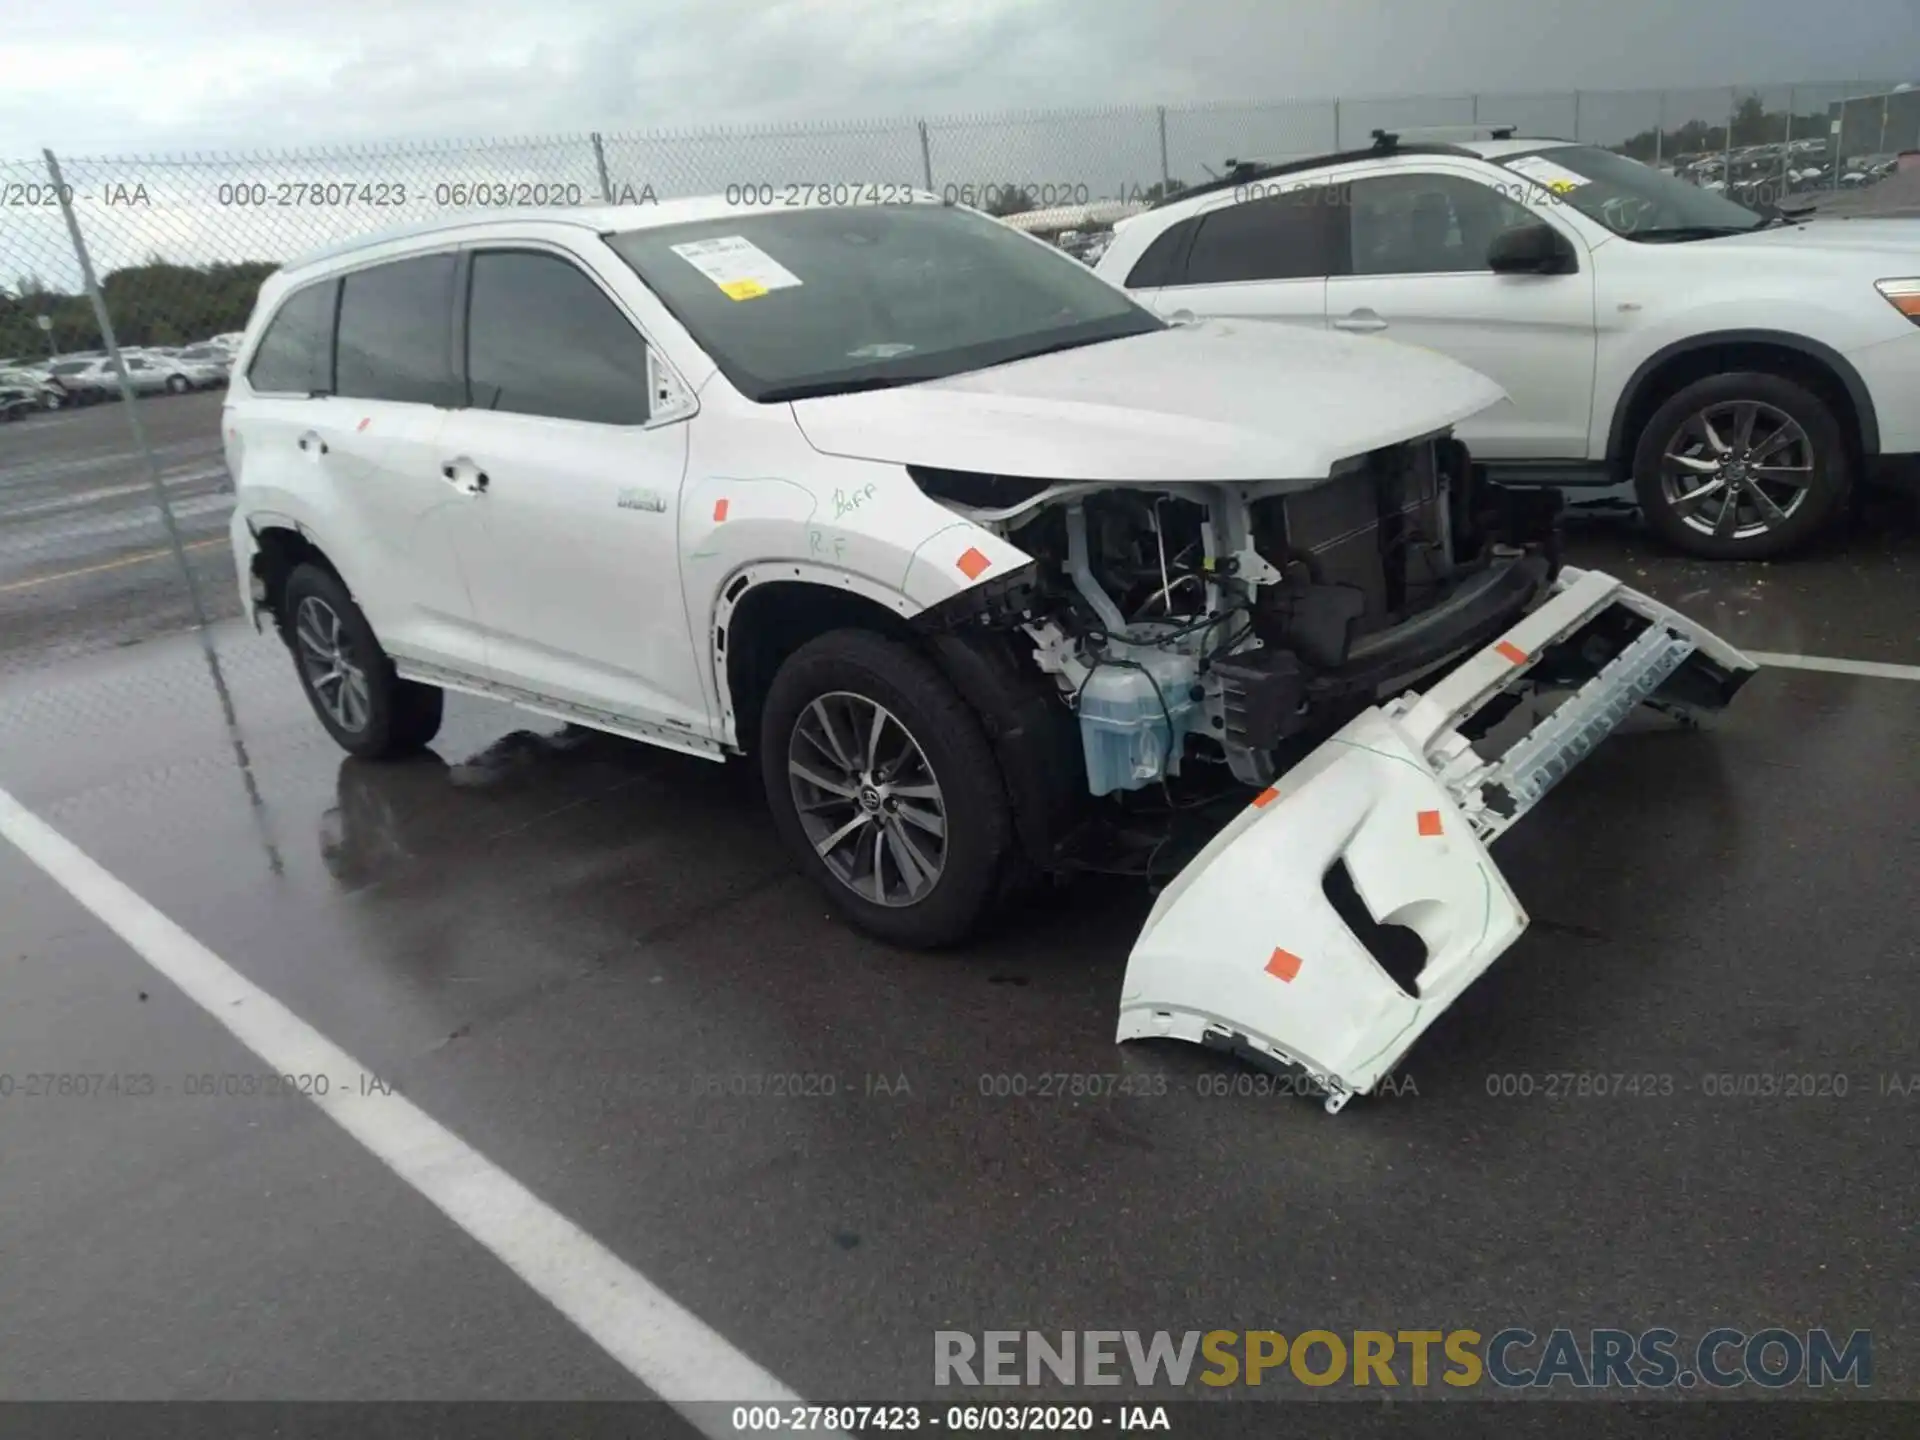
(1123, 725)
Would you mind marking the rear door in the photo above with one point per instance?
(334, 428)
(1416, 241)
(394, 387)
(1259, 256)
(576, 571)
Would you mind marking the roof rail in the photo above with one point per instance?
(1390, 139)
(1246, 172)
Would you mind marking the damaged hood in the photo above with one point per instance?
(1220, 400)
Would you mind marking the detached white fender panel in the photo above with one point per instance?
(1245, 951)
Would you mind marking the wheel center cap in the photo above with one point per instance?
(870, 799)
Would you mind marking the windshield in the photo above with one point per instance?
(818, 302)
(1632, 199)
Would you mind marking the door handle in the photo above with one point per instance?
(1360, 322)
(474, 484)
(312, 443)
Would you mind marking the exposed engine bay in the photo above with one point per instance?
(1216, 622)
(1393, 613)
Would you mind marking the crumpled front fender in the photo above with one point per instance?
(1280, 977)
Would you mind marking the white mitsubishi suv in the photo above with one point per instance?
(993, 572)
(1742, 369)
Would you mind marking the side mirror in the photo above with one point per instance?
(1536, 249)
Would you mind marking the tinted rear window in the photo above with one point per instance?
(1161, 262)
(296, 353)
(396, 332)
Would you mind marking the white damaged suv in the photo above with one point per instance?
(993, 571)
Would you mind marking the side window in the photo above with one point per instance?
(135, 363)
(1427, 224)
(296, 353)
(396, 332)
(1289, 236)
(1159, 264)
(544, 339)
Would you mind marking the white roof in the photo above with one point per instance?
(1184, 204)
(1500, 149)
(604, 218)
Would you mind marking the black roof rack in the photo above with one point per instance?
(1390, 139)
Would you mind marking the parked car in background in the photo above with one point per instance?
(16, 401)
(35, 384)
(1741, 368)
(80, 380)
(214, 361)
(151, 374)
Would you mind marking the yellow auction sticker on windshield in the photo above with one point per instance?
(1556, 178)
(740, 268)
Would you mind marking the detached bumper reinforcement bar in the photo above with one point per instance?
(1245, 950)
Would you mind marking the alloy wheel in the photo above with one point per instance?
(1737, 469)
(335, 674)
(867, 799)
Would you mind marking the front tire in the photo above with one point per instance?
(178, 385)
(1742, 466)
(350, 682)
(884, 787)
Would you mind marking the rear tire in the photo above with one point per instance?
(1755, 496)
(850, 716)
(349, 680)
(178, 385)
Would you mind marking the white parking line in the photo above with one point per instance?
(1878, 669)
(667, 1348)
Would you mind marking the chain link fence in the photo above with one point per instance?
(113, 511)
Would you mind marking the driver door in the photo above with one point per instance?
(1417, 272)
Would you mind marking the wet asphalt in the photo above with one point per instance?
(85, 558)
(561, 947)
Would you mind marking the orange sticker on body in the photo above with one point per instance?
(719, 511)
(1283, 964)
(1512, 652)
(972, 564)
(1265, 798)
(364, 423)
(1430, 822)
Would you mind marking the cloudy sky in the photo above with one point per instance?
(120, 76)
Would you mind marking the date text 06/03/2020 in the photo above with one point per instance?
(1004, 1419)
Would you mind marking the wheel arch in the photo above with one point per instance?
(1781, 352)
(768, 611)
(765, 612)
(280, 547)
